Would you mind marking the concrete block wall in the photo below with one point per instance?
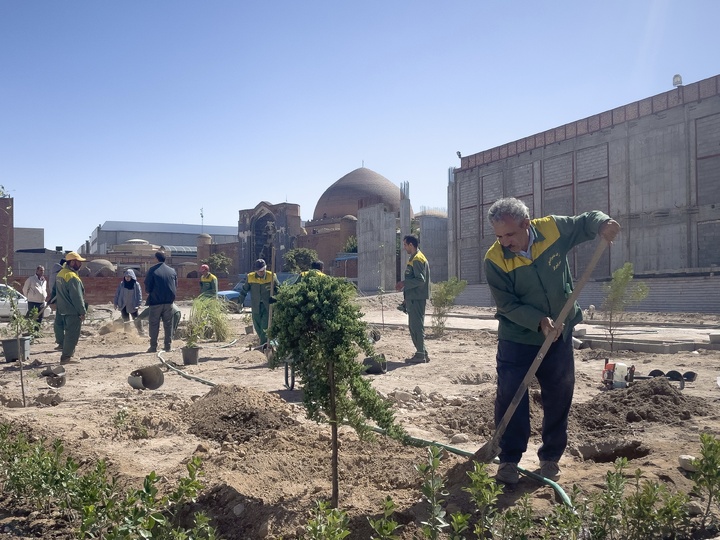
(433, 243)
(654, 165)
(377, 241)
(690, 294)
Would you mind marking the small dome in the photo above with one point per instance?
(349, 218)
(343, 197)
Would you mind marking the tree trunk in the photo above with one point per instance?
(334, 502)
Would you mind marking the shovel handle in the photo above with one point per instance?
(500, 429)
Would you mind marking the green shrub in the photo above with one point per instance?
(47, 479)
(442, 296)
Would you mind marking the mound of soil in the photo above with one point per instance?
(237, 414)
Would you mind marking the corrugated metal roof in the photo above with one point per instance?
(175, 250)
(136, 226)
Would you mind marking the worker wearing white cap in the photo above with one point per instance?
(258, 285)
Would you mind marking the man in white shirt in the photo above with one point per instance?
(35, 289)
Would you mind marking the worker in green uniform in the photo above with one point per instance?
(208, 282)
(316, 269)
(69, 295)
(258, 284)
(416, 291)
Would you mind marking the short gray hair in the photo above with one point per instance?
(508, 207)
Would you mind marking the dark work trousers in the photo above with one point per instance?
(556, 376)
(416, 323)
(160, 312)
(125, 314)
(68, 332)
(40, 310)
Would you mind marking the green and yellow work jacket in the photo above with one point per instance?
(208, 285)
(69, 293)
(259, 289)
(417, 278)
(526, 290)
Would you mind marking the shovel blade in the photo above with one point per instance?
(488, 452)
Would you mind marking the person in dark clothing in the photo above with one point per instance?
(128, 298)
(529, 277)
(161, 287)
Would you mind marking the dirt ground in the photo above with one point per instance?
(266, 465)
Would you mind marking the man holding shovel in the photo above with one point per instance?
(261, 284)
(529, 277)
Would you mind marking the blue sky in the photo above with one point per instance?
(152, 110)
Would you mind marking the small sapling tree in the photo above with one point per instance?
(443, 296)
(620, 293)
(317, 324)
(18, 324)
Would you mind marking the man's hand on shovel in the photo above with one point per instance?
(547, 325)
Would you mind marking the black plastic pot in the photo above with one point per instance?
(375, 365)
(190, 355)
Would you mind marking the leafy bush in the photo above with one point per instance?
(208, 317)
(47, 479)
(219, 263)
(299, 260)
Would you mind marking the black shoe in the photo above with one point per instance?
(401, 307)
(417, 358)
(167, 349)
(152, 350)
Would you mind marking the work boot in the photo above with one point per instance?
(417, 358)
(507, 473)
(58, 348)
(65, 359)
(152, 350)
(401, 307)
(167, 348)
(550, 470)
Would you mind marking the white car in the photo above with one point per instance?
(8, 295)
